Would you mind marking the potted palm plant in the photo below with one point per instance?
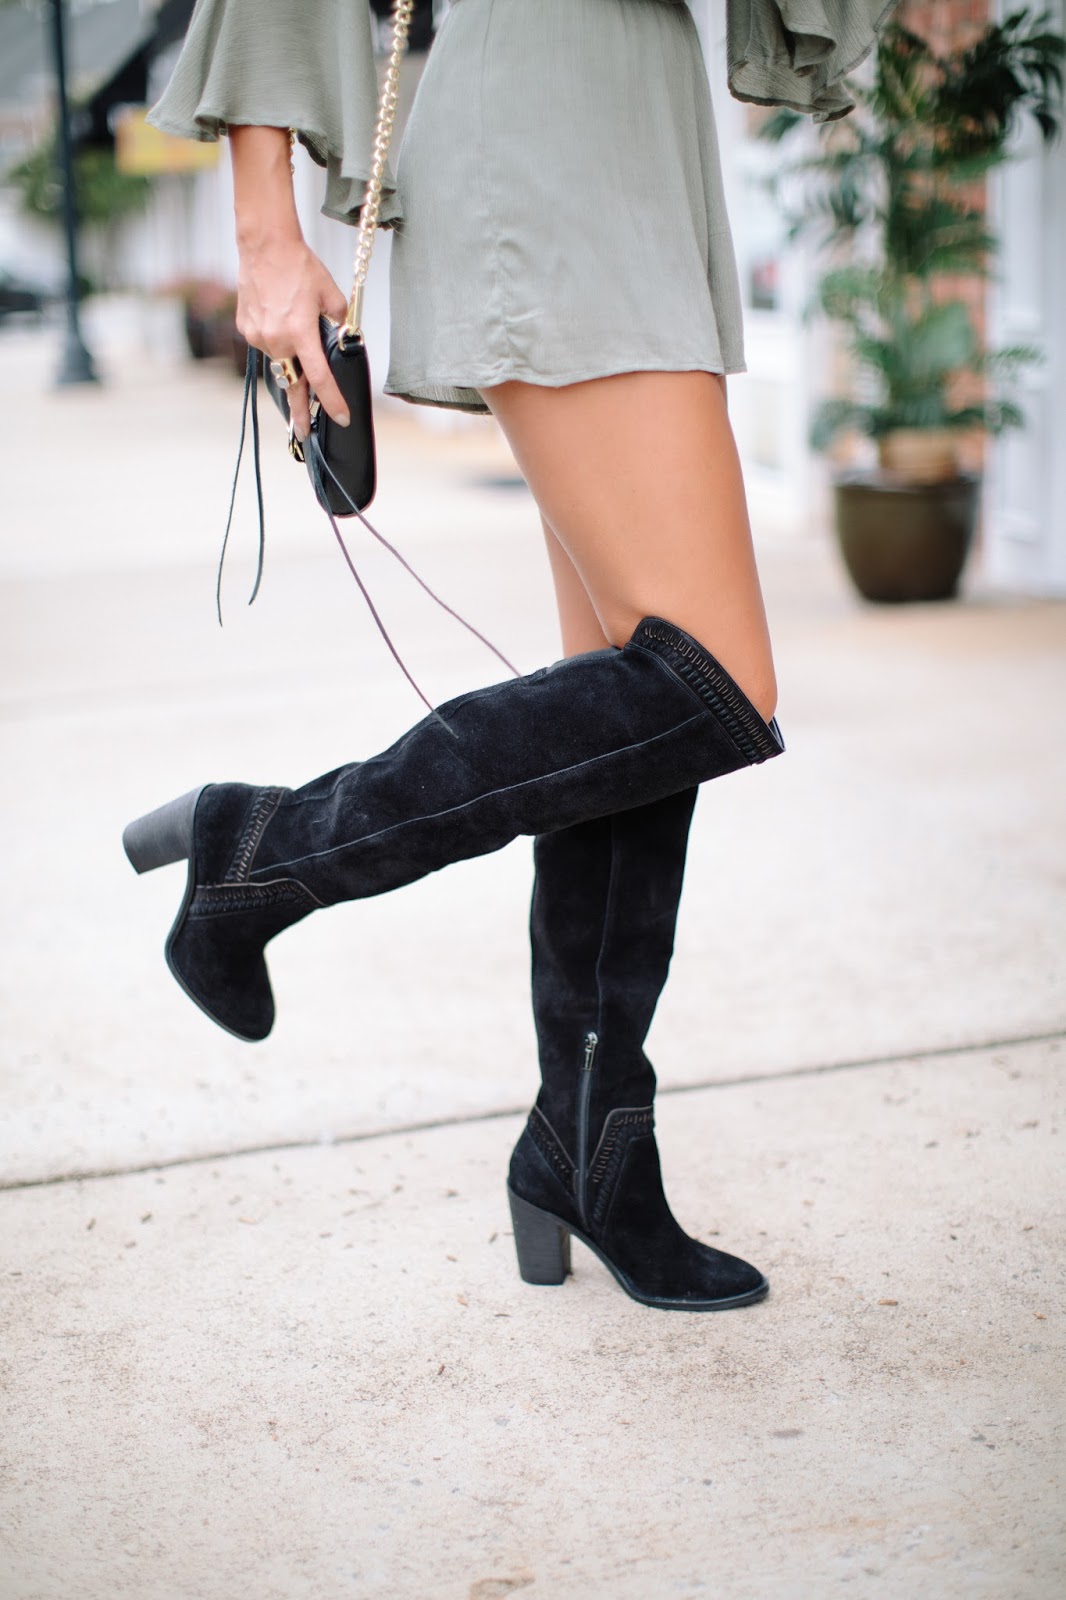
(894, 194)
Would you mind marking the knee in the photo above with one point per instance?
(748, 661)
(761, 690)
(620, 625)
(753, 672)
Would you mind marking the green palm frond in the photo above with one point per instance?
(779, 124)
(895, 182)
(834, 417)
(846, 293)
(1008, 360)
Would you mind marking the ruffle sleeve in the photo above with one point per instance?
(797, 52)
(302, 64)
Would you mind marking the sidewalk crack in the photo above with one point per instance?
(500, 1114)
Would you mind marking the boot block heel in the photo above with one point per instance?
(542, 1243)
(162, 836)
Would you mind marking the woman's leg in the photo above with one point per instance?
(579, 626)
(601, 735)
(638, 477)
(607, 731)
(605, 902)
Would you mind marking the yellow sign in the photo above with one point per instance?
(144, 151)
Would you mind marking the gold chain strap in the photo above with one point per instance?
(371, 209)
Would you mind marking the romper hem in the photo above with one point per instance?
(456, 392)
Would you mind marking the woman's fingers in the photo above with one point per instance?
(300, 408)
(322, 381)
(332, 302)
(317, 380)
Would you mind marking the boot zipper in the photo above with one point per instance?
(584, 1094)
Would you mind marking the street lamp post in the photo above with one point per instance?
(76, 364)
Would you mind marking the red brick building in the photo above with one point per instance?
(945, 23)
(1024, 542)
(1024, 508)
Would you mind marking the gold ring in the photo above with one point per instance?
(286, 371)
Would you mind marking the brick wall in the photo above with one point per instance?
(945, 23)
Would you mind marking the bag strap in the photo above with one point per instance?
(371, 208)
(319, 469)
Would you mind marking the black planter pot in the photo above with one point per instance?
(210, 333)
(198, 335)
(905, 541)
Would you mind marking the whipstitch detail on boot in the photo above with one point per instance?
(722, 710)
(214, 898)
(621, 1129)
(267, 802)
(550, 1146)
(641, 1120)
(751, 734)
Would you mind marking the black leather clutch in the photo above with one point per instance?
(341, 462)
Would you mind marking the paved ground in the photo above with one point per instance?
(262, 1332)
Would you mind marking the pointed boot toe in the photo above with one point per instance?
(226, 977)
(663, 1264)
(727, 1280)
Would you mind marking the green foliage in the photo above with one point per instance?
(105, 195)
(886, 195)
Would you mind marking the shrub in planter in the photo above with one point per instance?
(894, 196)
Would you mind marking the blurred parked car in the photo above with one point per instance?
(19, 297)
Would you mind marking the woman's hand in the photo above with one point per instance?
(282, 289)
(282, 286)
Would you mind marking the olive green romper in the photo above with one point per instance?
(558, 199)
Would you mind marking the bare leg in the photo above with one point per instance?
(607, 890)
(638, 477)
(578, 623)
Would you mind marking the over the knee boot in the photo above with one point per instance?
(602, 932)
(565, 744)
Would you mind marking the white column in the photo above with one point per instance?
(1025, 496)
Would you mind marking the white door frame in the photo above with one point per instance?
(1025, 495)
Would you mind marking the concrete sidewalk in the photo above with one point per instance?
(263, 1332)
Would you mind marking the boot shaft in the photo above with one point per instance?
(602, 927)
(574, 742)
(564, 745)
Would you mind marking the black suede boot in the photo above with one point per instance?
(565, 744)
(602, 931)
